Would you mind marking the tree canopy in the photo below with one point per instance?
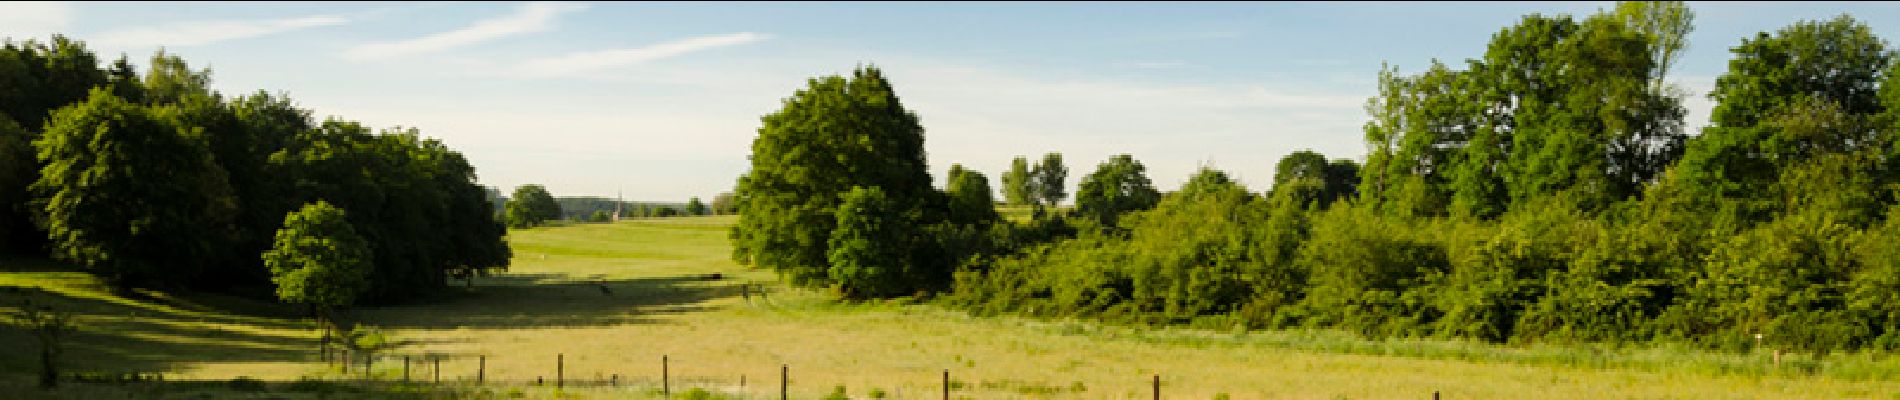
(834, 135)
(1118, 186)
(157, 180)
(318, 259)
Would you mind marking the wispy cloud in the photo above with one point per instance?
(195, 33)
(530, 18)
(603, 59)
(30, 19)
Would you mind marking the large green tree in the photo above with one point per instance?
(128, 193)
(317, 259)
(35, 79)
(833, 135)
(1118, 186)
(1556, 105)
(1805, 91)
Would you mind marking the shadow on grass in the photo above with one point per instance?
(550, 300)
(117, 335)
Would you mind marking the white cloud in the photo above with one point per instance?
(530, 18)
(603, 59)
(34, 19)
(195, 33)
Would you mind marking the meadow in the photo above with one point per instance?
(611, 300)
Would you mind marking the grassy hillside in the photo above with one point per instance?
(661, 300)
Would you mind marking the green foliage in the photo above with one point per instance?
(835, 135)
(867, 249)
(530, 206)
(970, 198)
(158, 180)
(695, 207)
(318, 259)
(1310, 179)
(1118, 186)
(414, 200)
(129, 193)
(1016, 190)
(1047, 180)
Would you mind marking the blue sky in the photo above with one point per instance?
(661, 100)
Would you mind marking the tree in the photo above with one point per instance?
(127, 193)
(318, 259)
(1806, 91)
(1046, 180)
(1667, 23)
(1310, 179)
(695, 207)
(1016, 190)
(970, 201)
(834, 135)
(869, 246)
(49, 327)
(36, 78)
(536, 207)
(412, 198)
(600, 216)
(1118, 186)
(725, 204)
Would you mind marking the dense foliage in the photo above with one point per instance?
(157, 180)
(1547, 191)
(318, 259)
(829, 139)
(530, 205)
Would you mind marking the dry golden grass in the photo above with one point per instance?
(550, 304)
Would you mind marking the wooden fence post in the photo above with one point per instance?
(946, 384)
(784, 380)
(1157, 386)
(666, 383)
(481, 368)
(560, 369)
(405, 369)
(438, 369)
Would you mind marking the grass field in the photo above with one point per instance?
(663, 304)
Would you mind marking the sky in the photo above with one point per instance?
(661, 101)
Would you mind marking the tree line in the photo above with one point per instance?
(532, 205)
(156, 180)
(1547, 191)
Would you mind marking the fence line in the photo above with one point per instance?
(345, 359)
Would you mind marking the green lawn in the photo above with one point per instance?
(660, 300)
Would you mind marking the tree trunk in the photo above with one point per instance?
(49, 373)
